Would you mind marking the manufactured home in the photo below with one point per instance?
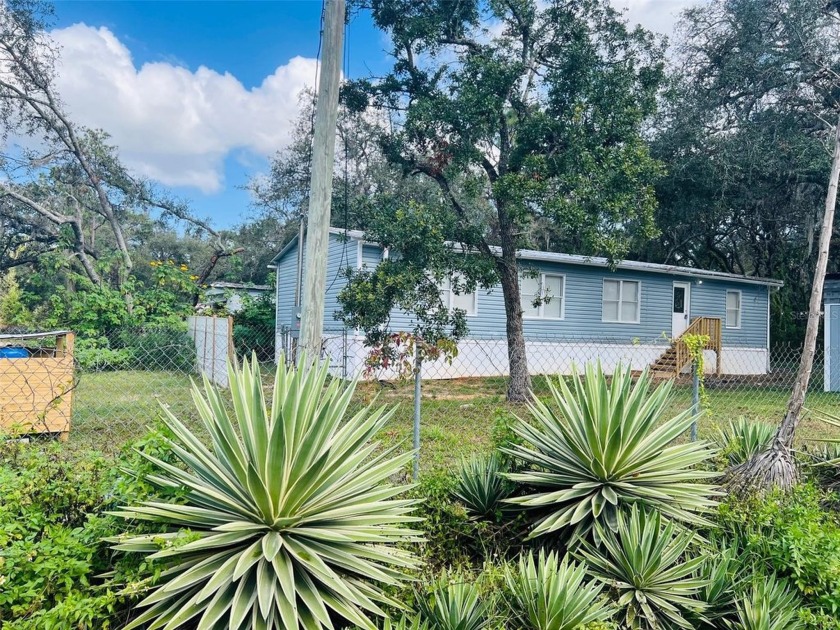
(632, 312)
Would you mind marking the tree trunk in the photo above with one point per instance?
(519, 384)
(776, 466)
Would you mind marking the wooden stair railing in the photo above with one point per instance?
(675, 359)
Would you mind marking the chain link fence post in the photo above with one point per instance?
(695, 398)
(418, 384)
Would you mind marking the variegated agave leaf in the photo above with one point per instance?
(645, 561)
(553, 595)
(296, 522)
(603, 447)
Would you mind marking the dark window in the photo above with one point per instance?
(679, 299)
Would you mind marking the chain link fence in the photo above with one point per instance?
(117, 384)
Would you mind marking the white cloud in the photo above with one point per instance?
(657, 15)
(170, 123)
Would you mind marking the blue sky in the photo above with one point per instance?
(247, 40)
(198, 95)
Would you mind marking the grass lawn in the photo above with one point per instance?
(458, 416)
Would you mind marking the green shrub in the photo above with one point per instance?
(481, 487)
(95, 354)
(794, 536)
(148, 348)
(553, 595)
(645, 561)
(52, 521)
(159, 348)
(293, 518)
(254, 327)
(450, 535)
(603, 447)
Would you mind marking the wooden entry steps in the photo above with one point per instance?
(676, 358)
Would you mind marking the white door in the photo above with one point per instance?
(682, 298)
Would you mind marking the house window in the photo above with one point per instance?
(549, 290)
(620, 302)
(733, 309)
(467, 302)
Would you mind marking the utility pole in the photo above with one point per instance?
(320, 190)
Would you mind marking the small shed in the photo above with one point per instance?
(233, 294)
(831, 310)
(36, 383)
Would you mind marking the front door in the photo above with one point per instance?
(682, 297)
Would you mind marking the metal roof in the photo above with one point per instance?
(594, 261)
(239, 285)
(38, 335)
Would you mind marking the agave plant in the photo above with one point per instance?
(769, 605)
(481, 487)
(644, 561)
(720, 573)
(742, 438)
(455, 604)
(552, 595)
(293, 519)
(605, 448)
(405, 622)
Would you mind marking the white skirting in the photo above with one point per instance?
(488, 357)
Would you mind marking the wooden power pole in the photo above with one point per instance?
(320, 191)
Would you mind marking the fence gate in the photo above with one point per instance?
(213, 337)
(832, 347)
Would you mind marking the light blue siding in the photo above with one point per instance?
(286, 277)
(583, 302)
(709, 299)
(832, 315)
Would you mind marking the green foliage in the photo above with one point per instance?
(647, 564)
(420, 261)
(405, 622)
(482, 488)
(604, 447)
(553, 595)
(794, 536)
(696, 344)
(291, 510)
(768, 605)
(254, 326)
(149, 348)
(456, 603)
(450, 535)
(158, 347)
(52, 521)
(13, 311)
(95, 354)
(740, 439)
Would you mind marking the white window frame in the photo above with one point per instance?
(450, 293)
(541, 314)
(621, 283)
(740, 309)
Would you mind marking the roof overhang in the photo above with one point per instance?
(591, 261)
(353, 235)
(634, 265)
